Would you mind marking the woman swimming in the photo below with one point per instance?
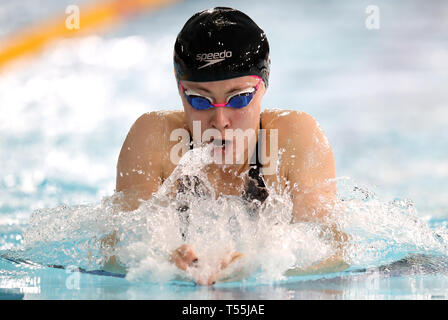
(222, 66)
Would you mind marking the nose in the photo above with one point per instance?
(220, 119)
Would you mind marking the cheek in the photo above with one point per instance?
(195, 115)
(247, 117)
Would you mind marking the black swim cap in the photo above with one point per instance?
(219, 44)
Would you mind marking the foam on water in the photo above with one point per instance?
(379, 232)
(383, 231)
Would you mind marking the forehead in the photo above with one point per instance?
(228, 85)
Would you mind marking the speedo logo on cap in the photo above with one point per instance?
(213, 57)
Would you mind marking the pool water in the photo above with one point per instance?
(379, 95)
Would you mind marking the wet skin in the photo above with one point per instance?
(307, 160)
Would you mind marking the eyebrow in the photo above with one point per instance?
(230, 91)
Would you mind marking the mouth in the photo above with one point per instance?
(220, 144)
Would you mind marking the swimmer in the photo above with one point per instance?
(222, 66)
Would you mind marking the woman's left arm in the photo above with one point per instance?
(310, 170)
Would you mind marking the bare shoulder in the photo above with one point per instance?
(296, 128)
(153, 128)
(172, 119)
(159, 121)
(144, 151)
(287, 119)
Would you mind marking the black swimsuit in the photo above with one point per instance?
(254, 195)
(256, 188)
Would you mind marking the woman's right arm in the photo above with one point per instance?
(139, 167)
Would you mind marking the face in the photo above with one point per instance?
(222, 118)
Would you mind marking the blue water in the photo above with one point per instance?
(379, 95)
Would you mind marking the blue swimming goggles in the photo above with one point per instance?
(237, 101)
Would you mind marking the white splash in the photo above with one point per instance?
(378, 232)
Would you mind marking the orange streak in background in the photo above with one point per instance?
(94, 17)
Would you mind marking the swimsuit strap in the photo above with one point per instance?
(256, 189)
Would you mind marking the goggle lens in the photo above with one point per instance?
(238, 101)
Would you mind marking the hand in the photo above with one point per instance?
(185, 258)
(335, 263)
(209, 275)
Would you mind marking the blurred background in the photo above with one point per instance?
(66, 106)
